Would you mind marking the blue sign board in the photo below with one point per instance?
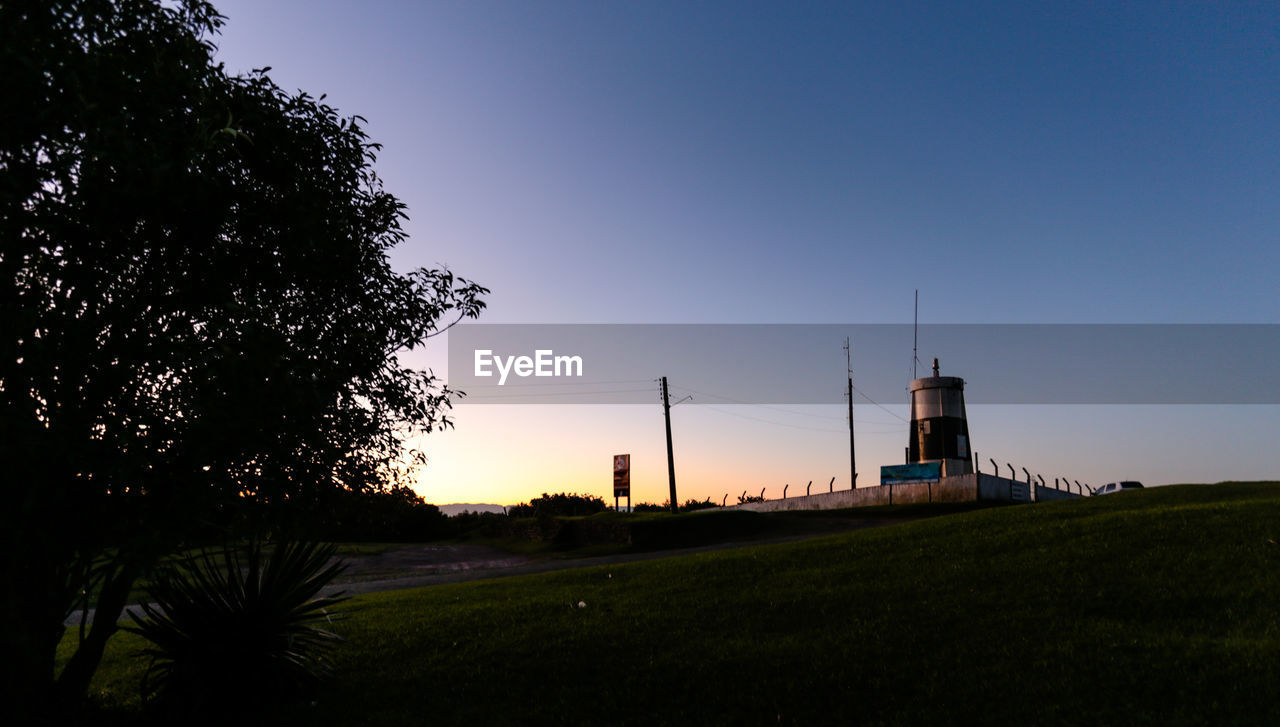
(906, 474)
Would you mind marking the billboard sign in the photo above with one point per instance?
(907, 474)
(622, 476)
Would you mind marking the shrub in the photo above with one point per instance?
(559, 504)
(397, 514)
(650, 507)
(688, 506)
(691, 505)
(478, 525)
(237, 627)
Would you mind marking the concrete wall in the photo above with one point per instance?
(962, 488)
(1048, 494)
(908, 494)
(861, 497)
(992, 487)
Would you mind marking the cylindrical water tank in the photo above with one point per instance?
(939, 427)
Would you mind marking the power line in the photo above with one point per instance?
(786, 424)
(767, 421)
(555, 393)
(764, 406)
(737, 401)
(525, 384)
(873, 401)
(828, 417)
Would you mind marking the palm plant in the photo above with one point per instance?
(240, 625)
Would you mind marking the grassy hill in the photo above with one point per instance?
(1154, 607)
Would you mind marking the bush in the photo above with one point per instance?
(650, 507)
(691, 505)
(560, 504)
(688, 506)
(397, 514)
(479, 525)
(238, 627)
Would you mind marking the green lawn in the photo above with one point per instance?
(1155, 607)
(609, 533)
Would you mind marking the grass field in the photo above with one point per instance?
(1155, 607)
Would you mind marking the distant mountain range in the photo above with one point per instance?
(459, 507)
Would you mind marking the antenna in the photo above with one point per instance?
(853, 462)
(915, 338)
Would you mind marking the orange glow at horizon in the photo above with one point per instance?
(507, 454)
(510, 454)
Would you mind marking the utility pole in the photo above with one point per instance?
(671, 459)
(853, 462)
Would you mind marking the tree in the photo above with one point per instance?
(559, 504)
(397, 514)
(196, 311)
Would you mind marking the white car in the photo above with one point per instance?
(1117, 487)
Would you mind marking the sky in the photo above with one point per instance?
(754, 162)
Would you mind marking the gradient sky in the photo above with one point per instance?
(696, 162)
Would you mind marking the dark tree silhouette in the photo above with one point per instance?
(559, 504)
(196, 311)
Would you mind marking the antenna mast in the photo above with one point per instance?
(915, 337)
(853, 466)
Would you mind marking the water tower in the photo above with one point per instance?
(939, 429)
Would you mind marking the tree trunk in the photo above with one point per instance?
(73, 683)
